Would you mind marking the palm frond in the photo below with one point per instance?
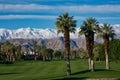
(65, 21)
(106, 30)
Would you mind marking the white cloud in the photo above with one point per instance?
(107, 18)
(71, 8)
(100, 18)
(27, 17)
(23, 7)
(49, 17)
(92, 8)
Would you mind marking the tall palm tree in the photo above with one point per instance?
(87, 28)
(66, 24)
(106, 32)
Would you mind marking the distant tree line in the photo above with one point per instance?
(11, 53)
(114, 51)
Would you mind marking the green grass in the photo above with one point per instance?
(39, 70)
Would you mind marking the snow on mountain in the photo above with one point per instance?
(27, 33)
(117, 30)
(33, 33)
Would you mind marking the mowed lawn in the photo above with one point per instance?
(41, 70)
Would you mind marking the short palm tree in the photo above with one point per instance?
(35, 49)
(87, 28)
(66, 24)
(0, 47)
(8, 49)
(106, 32)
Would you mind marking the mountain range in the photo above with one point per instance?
(34, 33)
(47, 37)
(31, 33)
(53, 43)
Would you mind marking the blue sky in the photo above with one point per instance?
(16, 14)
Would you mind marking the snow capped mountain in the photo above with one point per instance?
(117, 30)
(27, 33)
(31, 33)
(34, 33)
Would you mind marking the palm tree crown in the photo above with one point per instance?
(106, 31)
(65, 21)
(88, 26)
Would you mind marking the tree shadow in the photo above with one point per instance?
(85, 71)
(102, 70)
(81, 72)
(9, 73)
(72, 78)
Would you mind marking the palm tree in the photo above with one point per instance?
(82, 53)
(66, 24)
(106, 32)
(57, 54)
(43, 52)
(50, 53)
(9, 51)
(35, 49)
(18, 52)
(0, 47)
(87, 28)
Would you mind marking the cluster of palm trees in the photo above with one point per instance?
(7, 52)
(39, 52)
(49, 54)
(10, 52)
(66, 24)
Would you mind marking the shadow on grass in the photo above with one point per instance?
(72, 78)
(97, 70)
(9, 73)
(86, 71)
(81, 72)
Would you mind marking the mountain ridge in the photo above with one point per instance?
(53, 43)
(36, 33)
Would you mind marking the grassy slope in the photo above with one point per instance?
(38, 70)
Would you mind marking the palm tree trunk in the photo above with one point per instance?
(92, 65)
(44, 58)
(106, 45)
(89, 62)
(88, 50)
(91, 51)
(107, 62)
(35, 58)
(8, 56)
(68, 67)
(67, 49)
